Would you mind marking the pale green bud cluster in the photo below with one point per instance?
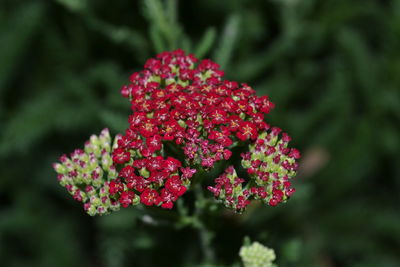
(257, 255)
(228, 189)
(271, 164)
(86, 174)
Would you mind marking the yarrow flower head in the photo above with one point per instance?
(186, 118)
(257, 255)
(87, 174)
(229, 190)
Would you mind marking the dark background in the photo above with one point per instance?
(331, 67)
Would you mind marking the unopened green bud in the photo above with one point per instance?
(257, 255)
(89, 171)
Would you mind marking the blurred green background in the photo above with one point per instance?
(331, 67)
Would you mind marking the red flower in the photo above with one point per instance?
(230, 105)
(247, 130)
(149, 197)
(171, 164)
(168, 199)
(234, 123)
(126, 198)
(212, 99)
(148, 128)
(127, 172)
(264, 104)
(115, 187)
(120, 156)
(158, 177)
(154, 163)
(220, 138)
(273, 202)
(154, 142)
(167, 205)
(218, 116)
(170, 129)
(132, 182)
(137, 118)
(227, 154)
(187, 172)
(294, 153)
(174, 185)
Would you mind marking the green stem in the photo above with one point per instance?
(205, 234)
(205, 239)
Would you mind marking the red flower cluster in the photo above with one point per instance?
(179, 101)
(87, 173)
(271, 164)
(228, 189)
(182, 106)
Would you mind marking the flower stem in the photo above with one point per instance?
(205, 234)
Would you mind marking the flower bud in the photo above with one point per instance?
(90, 169)
(257, 255)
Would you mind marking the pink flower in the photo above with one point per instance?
(187, 172)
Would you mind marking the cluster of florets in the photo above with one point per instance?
(158, 181)
(270, 165)
(177, 101)
(257, 255)
(87, 173)
(185, 118)
(229, 190)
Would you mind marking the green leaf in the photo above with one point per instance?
(206, 42)
(164, 26)
(39, 116)
(15, 37)
(133, 39)
(74, 5)
(227, 41)
(157, 40)
(28, 124)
